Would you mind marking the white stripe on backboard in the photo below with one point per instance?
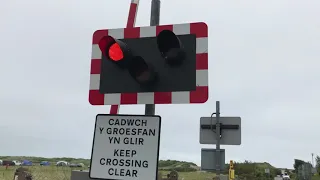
(180, 97)
(148, 31)
(94, 82)
(96, 52)
(202, 77)
(112, 99)
(146, 98)
(116, 33)
(202, 45)
(181, 29)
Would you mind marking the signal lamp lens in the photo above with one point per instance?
(141, 72)
(115, 53)
(170, 47)
(175, 56)
(111, 48)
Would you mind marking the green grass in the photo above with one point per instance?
(64, 173)
(192, 175)
(39, 172)
(187, 170)
(315, 178)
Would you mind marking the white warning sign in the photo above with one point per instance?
(125, 147)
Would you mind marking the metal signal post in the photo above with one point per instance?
(156, 64)
(218, 133)
(154, 21)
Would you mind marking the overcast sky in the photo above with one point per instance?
(264, 66)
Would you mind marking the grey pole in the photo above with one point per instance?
(155, 13)
(154, 21)
(218, 138)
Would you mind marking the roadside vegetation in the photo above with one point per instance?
(187, 170)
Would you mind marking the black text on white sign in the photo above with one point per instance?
(125, 147)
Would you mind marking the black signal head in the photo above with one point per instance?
(143, 73)
(115, 51)
(170, 47)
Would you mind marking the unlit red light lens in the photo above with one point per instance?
(141, 72)
(103, 44)
(115, 52)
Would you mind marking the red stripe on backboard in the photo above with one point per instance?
(199, 29)
(95, 66)
(129, 98)
(200, 95)
(202, 61)
(98, 35)
(132, 32)
(96, 98)
(162, 98)
(161, 28)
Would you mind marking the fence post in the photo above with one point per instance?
(22, 174)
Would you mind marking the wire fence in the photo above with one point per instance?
(39, 172)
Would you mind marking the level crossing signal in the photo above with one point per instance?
(150, 65)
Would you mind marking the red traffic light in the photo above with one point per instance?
(170, 47)
(115, 52)
(119, 53)
(111, 48)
